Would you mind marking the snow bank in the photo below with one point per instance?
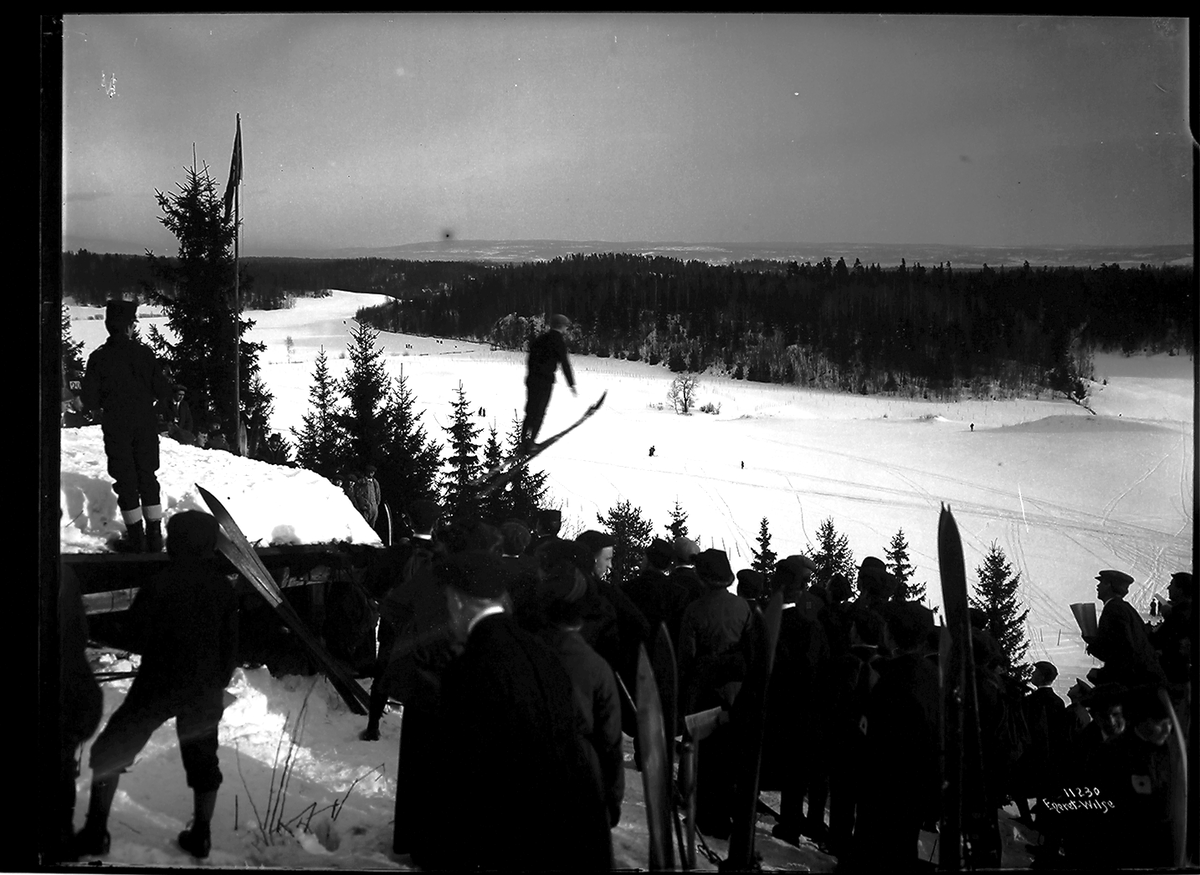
(274, 505)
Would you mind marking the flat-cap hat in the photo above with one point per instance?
(120, 312)
(1118, 580)
(595, 541)
(685, 549)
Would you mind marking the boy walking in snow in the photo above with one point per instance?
(546, 353)
(185, 620)
(126, 382)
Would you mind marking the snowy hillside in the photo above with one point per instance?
(1062, 492)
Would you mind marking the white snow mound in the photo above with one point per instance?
(303, 507)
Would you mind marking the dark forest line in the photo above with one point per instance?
(911, 330)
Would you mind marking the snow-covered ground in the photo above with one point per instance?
(1063, 492)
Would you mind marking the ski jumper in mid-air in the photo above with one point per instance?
(547, 352)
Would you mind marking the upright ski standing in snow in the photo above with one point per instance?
(508, 469)
(656, 769)
(749, 720)
(237, 549)
(970, 834)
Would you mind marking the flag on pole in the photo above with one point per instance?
(235, 169)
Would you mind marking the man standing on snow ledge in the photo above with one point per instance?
(547, 352)
(125, 381)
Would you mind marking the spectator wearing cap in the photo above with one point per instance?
(216, 438)
(184, 623)
(1175, 638)
(1046, 717)
(794, 705)
(752, 586)
(546, 525)
(520, 569)
(178, 417)
(1121, 640)
(712, 667)
(656, 595)
(547, 353)
(562, 596)
(683, 569)
(612, 624)
(514, 751)
(903, 734)
(126, 383)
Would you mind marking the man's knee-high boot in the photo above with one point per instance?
(93, 839)
(197, 839)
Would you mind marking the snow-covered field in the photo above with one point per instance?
(1062, 492)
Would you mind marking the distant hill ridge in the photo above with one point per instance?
(884, 254)
(724, 253)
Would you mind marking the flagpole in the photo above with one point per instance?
(237, 304)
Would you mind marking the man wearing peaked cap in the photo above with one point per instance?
(659, 598)
(711, 670)
(126, 383)
(1121, 639)
(683, 572)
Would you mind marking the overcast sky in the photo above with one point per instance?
(378, 130)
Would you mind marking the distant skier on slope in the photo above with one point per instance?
(546, 352)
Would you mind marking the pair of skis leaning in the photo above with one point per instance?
(657, 696)
(238, 550)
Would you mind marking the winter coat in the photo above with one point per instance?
(712, 664)
(660, 599)
(548, 352)
(600, 704)
(1046, 717)
(184, 622)
(423, 645)
(1175, 642)
(517, 760)
(801, 657)
(1121, 641)
(126, 381)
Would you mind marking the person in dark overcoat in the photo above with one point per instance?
(516, 774)
(185, 623)
(656, 595)
(903, 737)
(1121, 640)
(126, 383)
(712, 667)
(1037, 771)
(177, 415)
(612, 623)
(562, 594)
(1175, 638)
(547, 353)
(791, 758)
(683, 569)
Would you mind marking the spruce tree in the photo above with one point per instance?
(200, 308)
(363, 418)
(677, 527)
(463, 461)
(72, 350)
(996, 596)
(764, 556)
(898, 565)
(495, 506)
(526, 492)
(319, 441)
(410, 465)
(632, 532)
(832, 554)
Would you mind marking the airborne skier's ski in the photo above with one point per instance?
(237, 549)
(509, 468)
(748, 719)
